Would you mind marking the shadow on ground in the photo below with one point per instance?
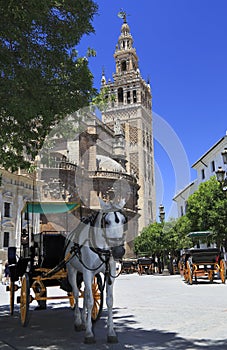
(53, 329)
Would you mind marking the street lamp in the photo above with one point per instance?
(224, 156)
(220, 173)
(161, 213)
(163, 257)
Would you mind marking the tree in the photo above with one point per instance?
(42, 78)
(149, 241)
(207, 210)
(176, 235)
(183, 227)
(168, 237)
(164, 240)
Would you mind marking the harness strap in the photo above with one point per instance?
(77, 249)
(60, 266)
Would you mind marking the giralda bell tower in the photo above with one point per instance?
(130, 104)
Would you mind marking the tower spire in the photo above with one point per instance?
(130, 106)
(125, 54)
(123, 15)
(103, 80)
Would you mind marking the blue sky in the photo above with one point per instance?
(182, 48)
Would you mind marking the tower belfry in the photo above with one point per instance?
(130, 104)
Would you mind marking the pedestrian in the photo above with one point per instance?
(5, 279)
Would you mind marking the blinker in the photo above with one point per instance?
(118, 252)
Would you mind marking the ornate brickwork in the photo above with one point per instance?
(133, 134)
(134, 163)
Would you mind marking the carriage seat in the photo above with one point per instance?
(145, 261)
(202, 256)
(51, 246)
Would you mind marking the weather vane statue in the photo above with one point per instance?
(122, 14)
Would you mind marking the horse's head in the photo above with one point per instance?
(113, 224)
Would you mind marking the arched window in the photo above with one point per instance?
(120, 95)
(123, 66)
(134, 96)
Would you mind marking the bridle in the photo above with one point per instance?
(117, 241)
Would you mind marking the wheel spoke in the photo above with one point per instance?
(97, 297)
(25, 300)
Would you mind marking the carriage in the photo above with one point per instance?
(82, 263)
(145, 265)
(41, 264)
(128, 266)
(203, 260)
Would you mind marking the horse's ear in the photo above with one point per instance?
(104, 205)
(122, 202)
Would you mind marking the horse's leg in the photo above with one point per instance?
(111, 335)
(88, 304)
(72, 277)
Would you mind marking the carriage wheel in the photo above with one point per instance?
(24, 300)
(12, 293)
(71, 300)
(97, 290)
(180, 268)
(222, 271)
(185, 274)
(189, 273)
(211, 276)
(40, 291)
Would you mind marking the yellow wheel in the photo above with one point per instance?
(12, 293)
(185, 274)
(181, 268)
(97, 290)
(189, 273)
(222, 271)
(71, 300)
(24, 300)
(211, 275)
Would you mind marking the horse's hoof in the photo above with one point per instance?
(79, 327)
(112, 339)
(89, 340)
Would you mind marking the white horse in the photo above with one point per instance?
(97, 247)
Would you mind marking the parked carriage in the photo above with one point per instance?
(42, 264)
(145, 265)
(128, 266)
(203, 260)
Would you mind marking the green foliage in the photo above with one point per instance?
(159, 238)
(150, 240)
(207, 209)
(42, 79)
(103, 98)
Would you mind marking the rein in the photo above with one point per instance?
(76, 249)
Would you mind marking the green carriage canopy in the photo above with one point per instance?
(200, 234)
(49, 207)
